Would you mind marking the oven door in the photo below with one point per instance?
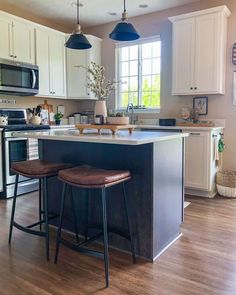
(16, 150)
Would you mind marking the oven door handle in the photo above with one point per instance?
(16, 139)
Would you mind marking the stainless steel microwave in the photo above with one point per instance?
(18, 78)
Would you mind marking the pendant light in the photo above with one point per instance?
(124, 31)
(77, 39)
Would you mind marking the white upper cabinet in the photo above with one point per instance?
(50, 57)
(199, 52)
(77, 75)
(17, 40)
(6, 40)
(23, 42)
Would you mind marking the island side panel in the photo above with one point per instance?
(138, 159)
(168, 166)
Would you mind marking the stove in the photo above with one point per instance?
(16, 150)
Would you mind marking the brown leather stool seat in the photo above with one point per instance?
(38, 168)
(88, 176)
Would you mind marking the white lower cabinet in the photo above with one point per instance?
(200, 164)
(50, 57)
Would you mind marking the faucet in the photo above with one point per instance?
(130, 106)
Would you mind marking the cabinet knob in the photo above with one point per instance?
(191, 88)
(195, 88)
(11, 55)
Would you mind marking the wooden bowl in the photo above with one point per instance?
(118, 120)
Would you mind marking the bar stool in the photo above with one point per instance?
(87, 177)
(43, 171)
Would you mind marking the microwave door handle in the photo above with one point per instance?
(34, 79)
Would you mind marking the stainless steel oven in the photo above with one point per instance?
(16, 150)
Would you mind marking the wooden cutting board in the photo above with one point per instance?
(113, 128)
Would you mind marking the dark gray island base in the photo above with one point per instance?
(155, 192)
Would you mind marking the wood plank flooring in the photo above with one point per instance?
(201, 262)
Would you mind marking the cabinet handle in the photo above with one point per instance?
(195, 134)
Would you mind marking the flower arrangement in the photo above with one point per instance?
(97, 82)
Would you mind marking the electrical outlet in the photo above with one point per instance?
(9, 101)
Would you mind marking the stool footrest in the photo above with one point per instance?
(28, 230)
(111, 229)
(81, 249)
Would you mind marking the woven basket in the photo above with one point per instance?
(226, 183)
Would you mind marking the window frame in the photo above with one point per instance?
(118, 70)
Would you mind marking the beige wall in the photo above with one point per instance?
(31, 102)
(220, 106)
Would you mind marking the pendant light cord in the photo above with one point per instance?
(124, 5)
(78, 11)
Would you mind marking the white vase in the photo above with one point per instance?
(100, 108)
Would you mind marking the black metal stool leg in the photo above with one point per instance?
(87, 215)
(45, 205)
(128, 222)
(13, 208)
(40, 204)
(60, 221)
(74, 214)
(105, 237)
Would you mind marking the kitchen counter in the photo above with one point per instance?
(155, 192)
(185, 128)
(122, 137)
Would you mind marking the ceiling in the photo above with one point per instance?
(93, 12)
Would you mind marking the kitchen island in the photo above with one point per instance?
(155, 192)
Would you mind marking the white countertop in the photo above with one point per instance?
(180, 127)
(61, 126)
(122, 137)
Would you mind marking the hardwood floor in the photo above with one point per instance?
(201, 262)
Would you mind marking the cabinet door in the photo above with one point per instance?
(207, 54)
(6, 35)
(42, 60)
(183, 56)
(23, 42)
(77, 76)
(197, 160)
(57, 65)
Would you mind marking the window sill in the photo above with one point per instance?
(141, 111)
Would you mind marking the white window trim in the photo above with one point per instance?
(130, 43)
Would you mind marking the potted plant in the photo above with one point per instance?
(99, 87)
(57, 118)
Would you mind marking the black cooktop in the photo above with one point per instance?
(23, 127)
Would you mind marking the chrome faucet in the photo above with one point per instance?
(130, 106)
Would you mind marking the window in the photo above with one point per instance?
(139, 73)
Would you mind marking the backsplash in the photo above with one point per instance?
(71, 106)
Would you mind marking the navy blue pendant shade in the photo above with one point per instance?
(78, 41)
(124, 31)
